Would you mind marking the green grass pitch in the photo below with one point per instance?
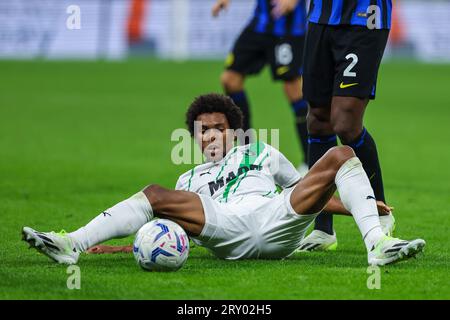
(77, 137)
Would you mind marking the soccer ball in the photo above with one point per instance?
(161, 245)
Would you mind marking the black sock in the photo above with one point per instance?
(318, 146)
(300, 108)
(366, 150)
(240, 99)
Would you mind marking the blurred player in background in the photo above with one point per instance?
(343, 50)
(274, 36)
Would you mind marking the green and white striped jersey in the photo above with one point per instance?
(253, 169)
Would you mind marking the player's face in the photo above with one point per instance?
(215, 137)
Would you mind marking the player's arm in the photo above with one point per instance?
(335, 206)
(283, 7)
(219, 6)
(100, 249)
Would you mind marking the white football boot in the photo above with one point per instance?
(388, 224)
(57, 246)
(390, 250)
(318, 241)
(321, 241)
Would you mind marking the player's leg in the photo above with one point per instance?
(182, 207)
(340, 168)
(246, 58)
(347, 121)
(294, 94)
(121, 220)
(321, 139)
(286, 58)
(320, 127)
(318, 80)
(233, 85)
(315, 190)
(358, 61)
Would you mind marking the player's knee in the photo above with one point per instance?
(345, 131)
(293, 89)
(155, 195)
(318, 123)
(232, 81)
(339, 155)
(346, 118)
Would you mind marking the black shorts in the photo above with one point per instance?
(253, 50)
(341, 61)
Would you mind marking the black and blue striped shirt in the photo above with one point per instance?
(349, 12)
(293, 24)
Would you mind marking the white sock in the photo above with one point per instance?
(358, 198)
(119, 221)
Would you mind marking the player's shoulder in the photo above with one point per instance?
(259, 149)
(187, 177)
(255, 147)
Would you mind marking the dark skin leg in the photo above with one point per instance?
(232, 81)
(344, 117)
(318, 120)
(293, 89)
(182, 207)
(315, 190)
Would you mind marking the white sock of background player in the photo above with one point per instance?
(119, 221)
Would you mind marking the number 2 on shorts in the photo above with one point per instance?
(348, 71)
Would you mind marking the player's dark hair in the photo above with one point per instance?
(214, 102)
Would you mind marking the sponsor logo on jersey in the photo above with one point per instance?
(220, 183)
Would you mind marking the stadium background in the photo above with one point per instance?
(180, 29)
(86, 117)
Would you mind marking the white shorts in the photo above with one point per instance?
(254, 227)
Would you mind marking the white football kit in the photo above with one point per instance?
(245, 216)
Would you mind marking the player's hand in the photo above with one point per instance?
(383, 208)
(101, 249)
(219, 6)
(283, 7)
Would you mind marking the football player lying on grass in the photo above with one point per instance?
(334, 205)
(230, 204)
